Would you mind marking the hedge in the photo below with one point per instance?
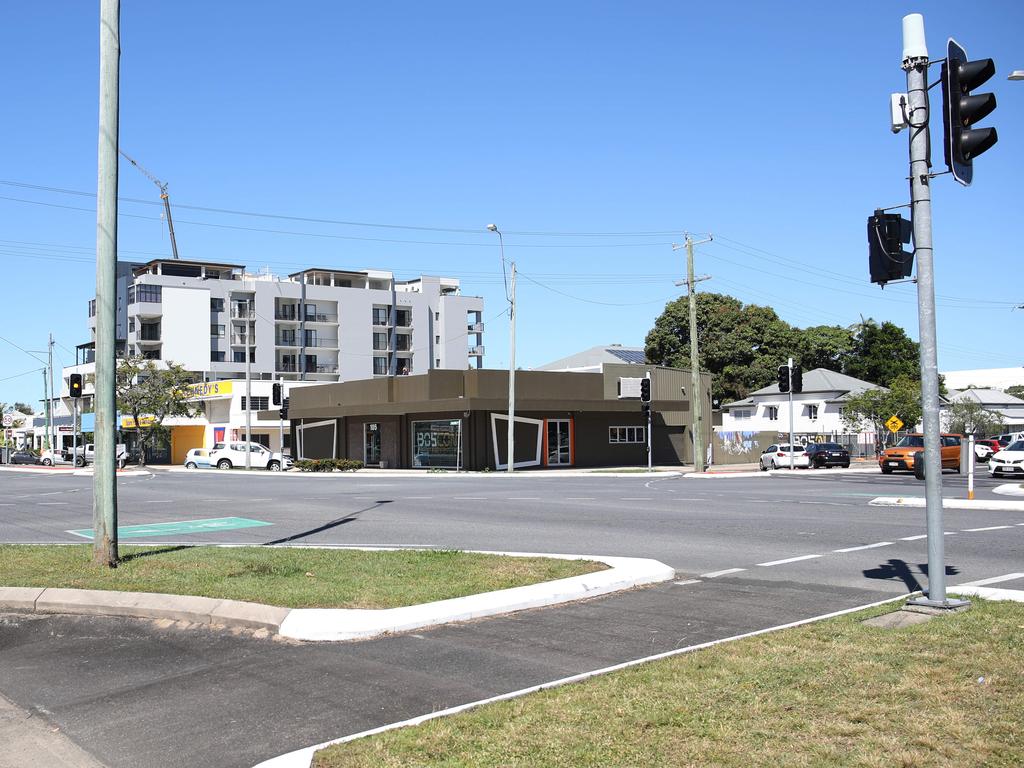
(328, 465)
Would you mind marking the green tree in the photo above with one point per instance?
(1017, 390)
(881, 353)
(150, 395)
(825, 346)
(741, 345)
(969, 417)
(24, 408)
(871, 408)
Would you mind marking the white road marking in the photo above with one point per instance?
(865, 546)
(634, 498)
(789, 560)
(51, 503)
(159, 501)
(685, 582)
(470, 498)
(419, 497)
(716, 574)
(915, 538)
(994, 580)
(990, 528)
(523, 498)
(949, 533)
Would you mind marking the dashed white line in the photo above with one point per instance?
(523, 498)
(990, 528)
(591, 498)
(469, 498)
(685, 582)
(994, 580)
(51, 503)
(419, 498)
(159, 501)
(865, 546)
(788, 560)
(634, 498)
(716, 574)
(915, 538)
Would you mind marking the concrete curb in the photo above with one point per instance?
(377, 474)
(987, 504)
(67, 471)
(337, 624)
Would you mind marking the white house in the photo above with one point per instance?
(816, 410)
(1009, 408)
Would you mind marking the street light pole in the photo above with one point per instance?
(695, 394)
(511, 296)
(249, 315)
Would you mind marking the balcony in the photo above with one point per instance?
(295, 340)
(238, 340)
(477, 351)
(475, 328)
(242, 312)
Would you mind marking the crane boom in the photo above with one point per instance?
(162, 186)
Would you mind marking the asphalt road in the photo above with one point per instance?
(750, 552)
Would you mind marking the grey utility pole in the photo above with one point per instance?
(104, 503)
(46, 402)
(53, 396)
(511, 296)
(915, 64)
(695, 394)
(249, 317)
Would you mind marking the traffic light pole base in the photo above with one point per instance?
(925, 605)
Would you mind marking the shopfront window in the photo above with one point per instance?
(436, 443)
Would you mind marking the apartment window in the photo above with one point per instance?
(380, 366)
(403, 318)
(131, 294)
(92, 307)
(403, 342)
(131, 325)
(238, 356)
(217, 331)
(380, 341)
(216, 356)
(437, 362)
(380, 316)
(151, 354)
(812, 412)
(437, 339)
(404, 367)
(150, 294)
(437, 315)
(258, 404)
(627, 435)
(741, 413)
(772, 412)
(216, 305)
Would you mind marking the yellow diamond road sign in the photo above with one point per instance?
(894, 424)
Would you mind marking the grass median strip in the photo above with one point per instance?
(948, 692)
(291, 578)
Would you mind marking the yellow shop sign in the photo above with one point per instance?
(208, 390)
(127, 422)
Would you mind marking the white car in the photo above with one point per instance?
(1009, 461)
(778, 457)
(228, 455)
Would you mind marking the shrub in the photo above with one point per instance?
(327, 465)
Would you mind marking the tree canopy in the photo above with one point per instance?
(870, 409)
(968, 417)
(150, 395)
(743, 345)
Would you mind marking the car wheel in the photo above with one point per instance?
(223, 464)
(47, 463)
(763, 467)
(274, 466)
(886, 470)
(79, 461)
(957, 469)
(774, 465)
(191, 465)
(845, 466)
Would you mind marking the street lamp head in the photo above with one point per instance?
(492, 227)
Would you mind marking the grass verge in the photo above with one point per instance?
(292, 578)
(949, 692)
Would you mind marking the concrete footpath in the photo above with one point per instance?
(28, 740)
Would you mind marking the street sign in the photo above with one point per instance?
(8, 419)
(894, 424)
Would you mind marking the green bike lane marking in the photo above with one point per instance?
(178, 527)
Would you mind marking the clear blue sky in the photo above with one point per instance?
(763, 123)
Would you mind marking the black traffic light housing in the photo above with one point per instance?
(783, 378)
(284, 408)
(276, 393)
(75, 385)
(797, 378)
(645, 390)
(887, 233)
(963, 109)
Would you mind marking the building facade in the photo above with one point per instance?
(459, 419)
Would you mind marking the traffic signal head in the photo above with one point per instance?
(887, 233)
(783, 378)
(284, 408)
(645, 390)
(963, 109)
(798, 379)
(276, 390)
(75, 385)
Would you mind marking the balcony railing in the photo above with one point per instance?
(238, 340)
(477, 350)
(146, 335)
(294, 368)
(295, 340)
(241, 312)
(475, 328)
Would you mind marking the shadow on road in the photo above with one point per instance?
(351, 517)
(899, 569)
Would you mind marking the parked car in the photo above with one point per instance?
(1010, 437)
(901, 457)
(24, 457)
(198, 458)
(49, 457)
(87, 455)
(827, 455)
(993, 445)
(778, 457)
(228, 455)
(1009, 461)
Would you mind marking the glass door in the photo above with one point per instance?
(559, 442)
(371, 444)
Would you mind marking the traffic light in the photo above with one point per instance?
(963, 109)
(783, 378)
(797, 378)
(75, 385)
(645, 390)
(887, 232)
(276, 392)
(284, 408)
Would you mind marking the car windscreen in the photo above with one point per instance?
(911, 441)
(1017, 446)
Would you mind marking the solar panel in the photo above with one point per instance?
(635, 356)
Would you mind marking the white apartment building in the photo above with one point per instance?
(313, 326)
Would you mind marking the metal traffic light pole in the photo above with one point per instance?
(789, 373)
(915, 64)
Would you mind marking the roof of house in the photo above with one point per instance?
(595, 357)
(819, 380)
(989, 397)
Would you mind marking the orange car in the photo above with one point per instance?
(902, 455)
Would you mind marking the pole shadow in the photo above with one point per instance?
(902, 571)
(149, 553)
(349, 518)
